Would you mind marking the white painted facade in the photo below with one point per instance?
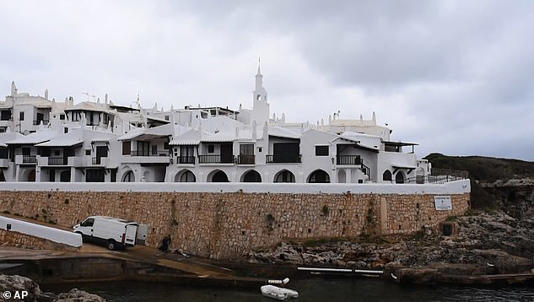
(43, 140)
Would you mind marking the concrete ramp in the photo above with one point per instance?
(40, 231)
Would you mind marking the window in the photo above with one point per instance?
(260, 149)
(65, 130)
(154, 149)
(166, 145)
(21, 116)
(211, 148)
(321, 150)
(88, 152)
(62, 117)
(5, 115)
(166, 117)
(88, 222)
(126, 147)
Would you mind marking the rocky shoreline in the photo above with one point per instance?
(480, 244)
(16, 283)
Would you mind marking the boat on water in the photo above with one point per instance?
(278, 293)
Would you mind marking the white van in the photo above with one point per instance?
(113, 232)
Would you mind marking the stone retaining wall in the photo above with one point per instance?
(226, 225)
(16, 239)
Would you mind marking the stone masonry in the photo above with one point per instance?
(227, 225)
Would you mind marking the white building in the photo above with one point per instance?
(44, 140)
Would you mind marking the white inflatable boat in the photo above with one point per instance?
(278, 293)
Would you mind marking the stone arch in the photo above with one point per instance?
(28, 175)
(128, 176)
(217, 176)
(399, 177)
(284, 176)
(185, 175)
(342, 176)
(319, 176)
(387, 176)
(251, 176)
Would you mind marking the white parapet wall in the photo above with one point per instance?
(40, 231)
(454, 187)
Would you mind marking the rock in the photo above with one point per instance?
(19, 283)
(76, 295)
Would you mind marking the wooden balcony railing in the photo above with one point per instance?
(284, 158)
(348, 160)
(185, 160)
(216, 159)
(29, 159)
(243, 159)
(58, 161)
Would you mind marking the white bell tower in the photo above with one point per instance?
(260, 108)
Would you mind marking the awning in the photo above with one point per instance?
(399, 144)
(61, 142)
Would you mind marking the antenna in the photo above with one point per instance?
(89, 96)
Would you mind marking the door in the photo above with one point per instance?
(87, 227)
(286, 152)
(101, 151)
(227, 153)
(131, 232)
(142, 232)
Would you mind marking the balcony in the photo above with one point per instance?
(38, 122)
(58, 161)
(145, 157)
(216, 159)
(284, 159)
(348, 160)
(29, 159)
(243, 159)
(99, 161)
(4, 163)
(184, 160)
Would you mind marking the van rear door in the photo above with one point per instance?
(130, 234)
(142, 231)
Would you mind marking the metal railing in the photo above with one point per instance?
(149, 153)
(432, 179)
(457, 173)
(29, 159)
(245, 159)
(97, 160)
(216, 159)
(348, 160)
(58, 161)
(283, 158)
(38, 122)
(185, 160)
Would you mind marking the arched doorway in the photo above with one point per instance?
(128, 177)
(342, 176)
(218, 176)
(31, 175)
(185, 176)
(2, 177)
(399, 178)
(319, 176)
(284, 176)
(64, 176)
(386, 176)
(251, 176)
(420, 176)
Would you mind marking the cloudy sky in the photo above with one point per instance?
(455, 76)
